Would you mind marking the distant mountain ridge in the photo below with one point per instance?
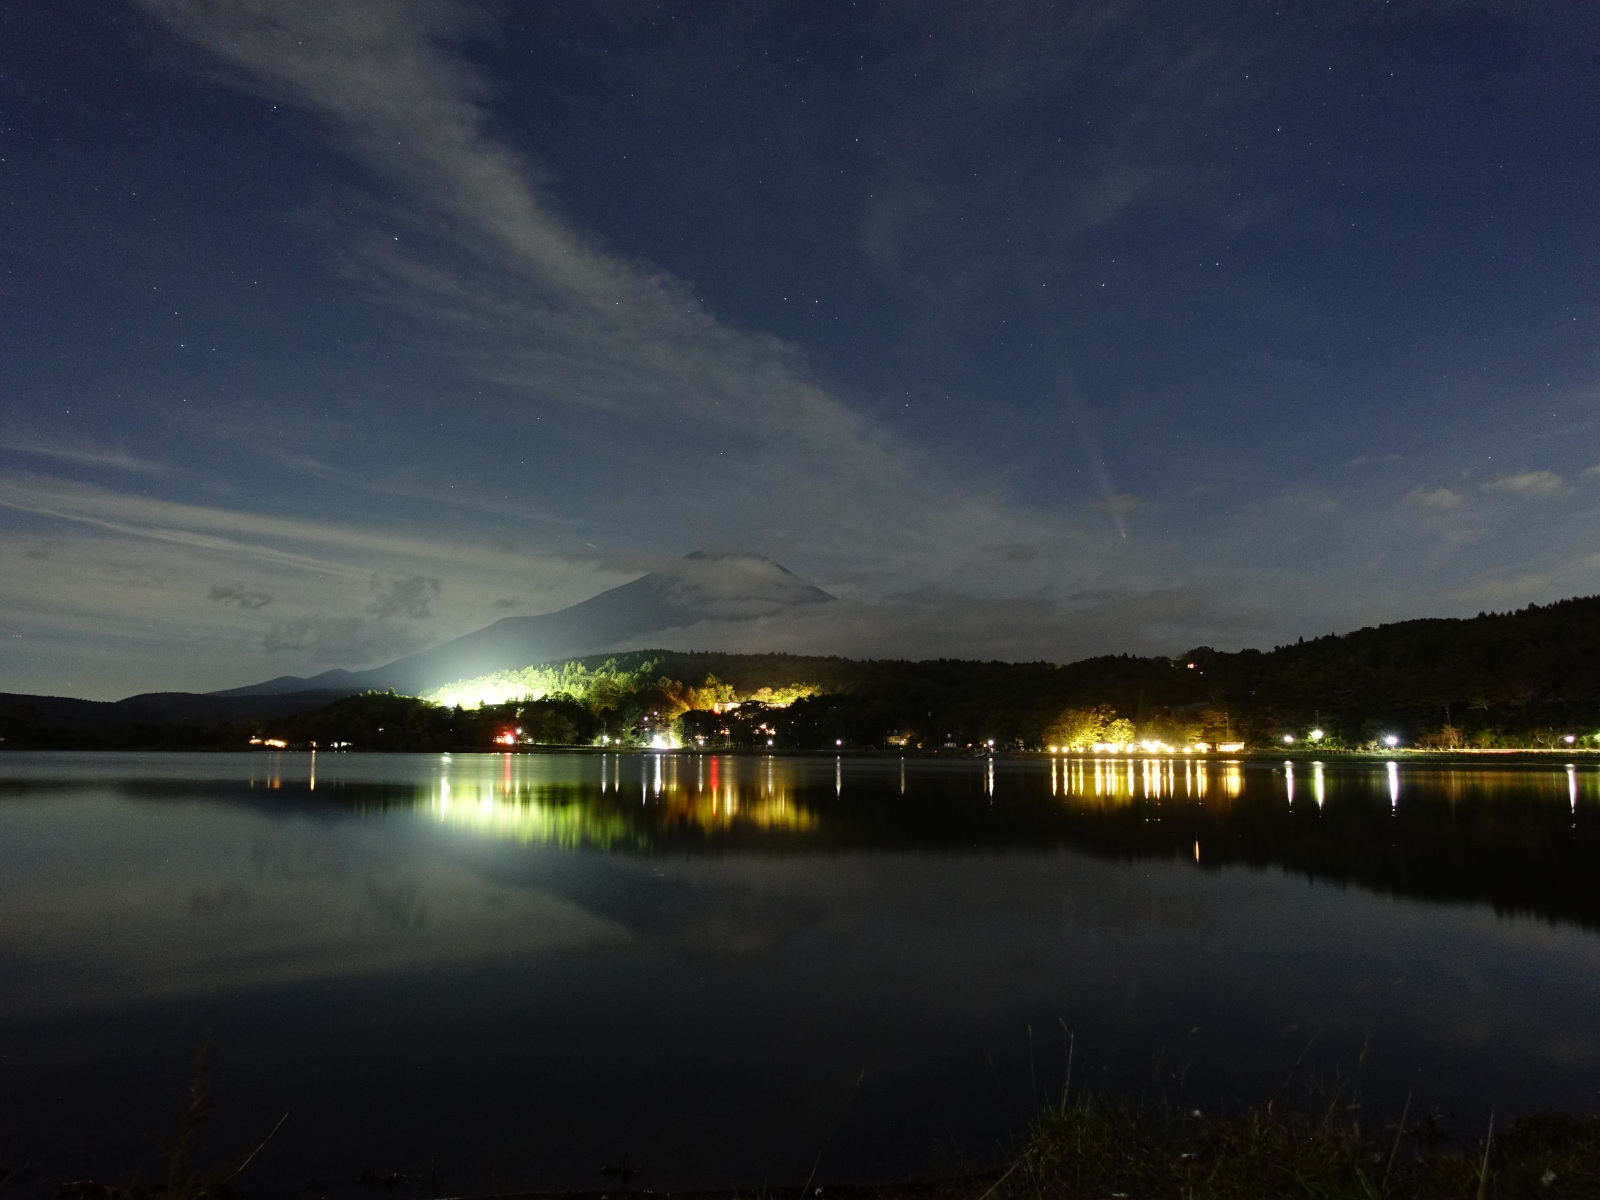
(159, 709)
(700, 587)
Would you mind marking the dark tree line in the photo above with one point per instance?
(1530, 677)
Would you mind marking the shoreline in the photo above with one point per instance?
(1520, 756)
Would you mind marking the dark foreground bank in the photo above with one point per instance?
(1109, 1151)
(1105, 1149)
(1113, 1151)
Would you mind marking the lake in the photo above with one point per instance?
(472, 973)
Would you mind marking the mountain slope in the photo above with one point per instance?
(701, 587)
(163, 709)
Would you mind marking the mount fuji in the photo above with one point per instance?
(700, 587)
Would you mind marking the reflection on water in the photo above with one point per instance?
(1523, 839)
(1098, 781)
(690, 957)
(709, 789)
(711, 793)
(1113, 780)
(528, 812)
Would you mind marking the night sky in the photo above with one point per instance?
(332, 329)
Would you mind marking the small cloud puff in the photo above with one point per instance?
(407, 596)
(1529, 483)
(1439, 499)
(1308, 504)
(344, 640)
(240, 595)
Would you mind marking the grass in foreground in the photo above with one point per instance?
(1107, 1150)
(181, 1180)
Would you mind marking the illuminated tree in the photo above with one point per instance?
(712, 694)
(1215, 726)
(1176, 729)
(1076, 728)
(1120, 731)
(1447, 737)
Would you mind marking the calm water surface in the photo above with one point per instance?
(494, 972)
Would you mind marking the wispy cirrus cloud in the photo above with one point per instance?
(321, 547)
(131, 579)
(184, 525)
(85, 453)
(538, 308)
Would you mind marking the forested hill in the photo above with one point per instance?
(1524, 677)
(1536, 667)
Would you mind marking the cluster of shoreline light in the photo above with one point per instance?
(1150, 746)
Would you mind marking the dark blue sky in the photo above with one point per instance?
(1036, 330)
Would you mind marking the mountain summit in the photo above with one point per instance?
(701, 587)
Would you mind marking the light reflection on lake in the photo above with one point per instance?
(517, 800)
(1114, 778)
(508, 970)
